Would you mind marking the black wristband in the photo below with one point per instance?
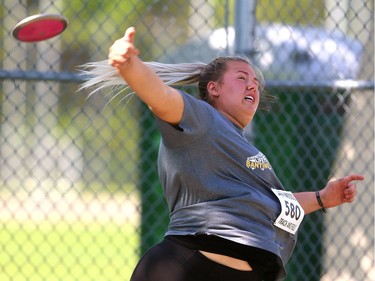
(320, 201)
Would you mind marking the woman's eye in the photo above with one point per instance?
(242, 78)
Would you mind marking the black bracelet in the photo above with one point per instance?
(320, 201)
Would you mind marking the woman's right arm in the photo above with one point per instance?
(164, 101)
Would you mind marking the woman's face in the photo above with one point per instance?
(236, 95)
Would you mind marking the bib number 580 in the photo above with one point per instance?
(292, 210)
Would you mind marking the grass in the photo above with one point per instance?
(48, 234)
(35, 251)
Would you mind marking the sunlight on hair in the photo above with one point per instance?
(101, 75)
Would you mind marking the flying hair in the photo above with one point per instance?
(101, 75)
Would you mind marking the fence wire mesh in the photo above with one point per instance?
(79, 193)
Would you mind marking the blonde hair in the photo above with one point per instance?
(101, 75)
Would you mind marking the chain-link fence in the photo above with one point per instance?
(79, 193)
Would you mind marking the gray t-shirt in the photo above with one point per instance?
(217, 183)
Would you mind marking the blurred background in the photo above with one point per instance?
(80, 197)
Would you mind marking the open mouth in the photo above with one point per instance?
(250, 98)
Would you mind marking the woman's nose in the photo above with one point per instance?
(250, 87)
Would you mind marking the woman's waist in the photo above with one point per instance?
(227, 261)
(229, 253)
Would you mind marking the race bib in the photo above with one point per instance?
(291, 214)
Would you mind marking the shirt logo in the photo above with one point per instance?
(258, 161)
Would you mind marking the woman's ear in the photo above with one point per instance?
(212, 88)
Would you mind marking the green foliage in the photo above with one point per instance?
(291, 11)
(89, 19)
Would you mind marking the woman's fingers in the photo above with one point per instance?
(129, 34)
(353, 177)
(350, 192)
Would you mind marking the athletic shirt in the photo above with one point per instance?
(216, 183)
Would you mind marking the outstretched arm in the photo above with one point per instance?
(164, 101)
(335, 193)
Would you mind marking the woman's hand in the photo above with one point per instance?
(123, 49)
(340, 191)
(335, 193)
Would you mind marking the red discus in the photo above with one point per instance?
(39, 27)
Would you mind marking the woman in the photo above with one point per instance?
(230, 217)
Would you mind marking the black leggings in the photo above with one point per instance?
(169, 261)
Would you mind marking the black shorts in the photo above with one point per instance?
(169, 261)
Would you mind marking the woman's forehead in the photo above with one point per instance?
(241, 67)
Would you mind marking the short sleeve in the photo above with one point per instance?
(196, 120)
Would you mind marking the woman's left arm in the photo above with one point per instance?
(335, 193)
